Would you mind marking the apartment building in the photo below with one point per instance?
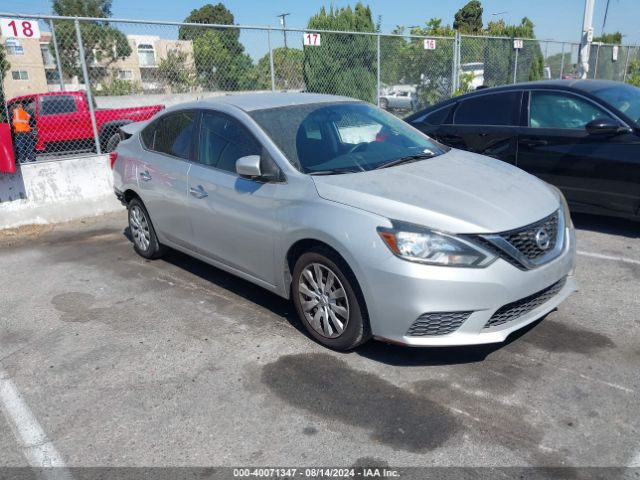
(34, 70)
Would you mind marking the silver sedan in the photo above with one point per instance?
(370, 227)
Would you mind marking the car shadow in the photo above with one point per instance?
(374, 350)
(608, 225)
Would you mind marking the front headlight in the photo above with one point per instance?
(565, 206)
(416, 244)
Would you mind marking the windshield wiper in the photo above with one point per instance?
(407, 159)
(335, 171)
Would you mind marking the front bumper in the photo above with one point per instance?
(401, 291)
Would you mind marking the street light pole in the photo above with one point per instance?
(283, 22)
(587, 37)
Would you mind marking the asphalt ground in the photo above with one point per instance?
(119, 361)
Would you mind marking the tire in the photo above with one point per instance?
(145, 240)
(384, 104)
(341, 322)
(113, 142)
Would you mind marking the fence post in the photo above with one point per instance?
(85, 74)
(378, 71)
(455, 63)
(626, 64)
(562, 63)
(55, 48)
(515, 66)
(273, 73)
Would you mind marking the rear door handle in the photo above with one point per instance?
(534, 142)
(198, 192)
(145, 176)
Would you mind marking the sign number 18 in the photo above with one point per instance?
(311, 39)
(17, 28)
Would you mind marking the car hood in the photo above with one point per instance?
(457, 192)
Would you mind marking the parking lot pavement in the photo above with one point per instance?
(124, 361)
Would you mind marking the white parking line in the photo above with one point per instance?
(36, 447)
(609, 257)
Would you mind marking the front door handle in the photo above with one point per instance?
(534, 142)
(145, 176)
(198, 192)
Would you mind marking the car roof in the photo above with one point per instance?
(586, 85)
(262, 101)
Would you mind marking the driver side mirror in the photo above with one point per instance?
(604, 126)
(249, 166)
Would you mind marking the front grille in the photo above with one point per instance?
(437, 323)
(524, 239)
(517, 309)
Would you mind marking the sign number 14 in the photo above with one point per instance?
(311, 39)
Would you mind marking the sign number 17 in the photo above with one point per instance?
(311, 39)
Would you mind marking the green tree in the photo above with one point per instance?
(174, 70)
(500, 55)
(5, 66)
(220, 60)
(469, 18)
(614, 38)
(633, 75)
(287, 66)
(343, 64)
(103, 44)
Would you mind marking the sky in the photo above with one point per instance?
(553, 19)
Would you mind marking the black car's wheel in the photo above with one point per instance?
(145, 240)
(325, 295)
(384, 103)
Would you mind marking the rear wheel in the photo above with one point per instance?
(145, 240)
(327, 302)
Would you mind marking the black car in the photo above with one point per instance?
(581, 135)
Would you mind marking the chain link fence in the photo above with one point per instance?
(84, 78)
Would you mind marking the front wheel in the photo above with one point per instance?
(145, 240)
(326, 301)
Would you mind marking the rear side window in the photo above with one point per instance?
(492, 109)
(174, 134)
(436, 118)
(57, 104)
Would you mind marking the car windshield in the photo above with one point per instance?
(625, 98)
(343, 137)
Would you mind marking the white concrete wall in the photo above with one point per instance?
(57, 191)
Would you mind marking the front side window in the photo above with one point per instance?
(57, 104)
(500, 109)
(223, 141)
(560, 110)
(174, 135)
(340, 137)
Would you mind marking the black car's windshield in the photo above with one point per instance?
(343, 137)
(625, 98)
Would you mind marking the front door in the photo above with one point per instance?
(597, 173)
(233, 218)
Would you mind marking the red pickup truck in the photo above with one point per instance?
(62, 121)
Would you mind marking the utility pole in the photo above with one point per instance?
(283, 22)
(587, 37)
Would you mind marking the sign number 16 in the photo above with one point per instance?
(311, 39)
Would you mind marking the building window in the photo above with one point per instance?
(47, 58)
(53, 77)
(125, 74)
(19, 75)
(13, 47)
(146, 55)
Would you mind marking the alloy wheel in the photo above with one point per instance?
(139, 227)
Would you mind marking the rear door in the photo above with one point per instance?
(162, 174)
(597, 173)
(486, 124)
(233, 218)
